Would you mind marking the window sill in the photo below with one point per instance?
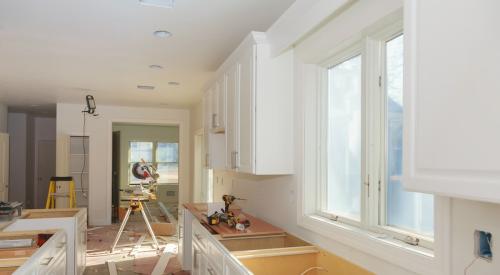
(413, 258)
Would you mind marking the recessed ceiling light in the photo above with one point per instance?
(162, 34)
(145, 87)
(174, 83)
(158, 3)
(156, 67)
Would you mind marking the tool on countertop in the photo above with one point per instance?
(239, 222)
(7, 209)
(228, 200)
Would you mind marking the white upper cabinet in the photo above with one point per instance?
(452, 98)
(253, 104)
(214, 144)
(219, 104)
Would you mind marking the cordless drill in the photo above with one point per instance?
(228, 200)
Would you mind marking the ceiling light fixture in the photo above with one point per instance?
(156, 67)
(162, 34)
(174, 83)
(158, 3)
(145, 87)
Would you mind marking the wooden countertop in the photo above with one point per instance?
(257, 227)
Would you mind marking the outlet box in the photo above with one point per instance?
(482, 244)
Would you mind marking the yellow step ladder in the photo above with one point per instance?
(52, 194)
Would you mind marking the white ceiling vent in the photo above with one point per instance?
(159, 3)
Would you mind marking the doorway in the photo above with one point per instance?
(46, 168)
(155, 146)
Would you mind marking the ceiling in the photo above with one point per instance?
(59, 50)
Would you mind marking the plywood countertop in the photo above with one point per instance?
(257, 227)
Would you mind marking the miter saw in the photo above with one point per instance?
(147, 174)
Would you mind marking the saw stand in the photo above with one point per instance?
(135, 204)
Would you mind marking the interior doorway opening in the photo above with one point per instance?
(156, 146)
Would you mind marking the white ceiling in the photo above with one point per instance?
(55, 50)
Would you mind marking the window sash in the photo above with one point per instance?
(351, 52)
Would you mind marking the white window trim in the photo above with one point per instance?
(414, 258)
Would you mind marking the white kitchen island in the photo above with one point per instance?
(74, 223)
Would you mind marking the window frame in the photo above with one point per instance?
(368, 236)
(154, 161)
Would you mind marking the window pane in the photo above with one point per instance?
(141, 150)
(344, 139)
(168, 172)
(406, 210)
(167, 152)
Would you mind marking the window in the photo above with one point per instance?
(361, 111)
(163, 155)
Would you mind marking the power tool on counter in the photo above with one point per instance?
(240, 222)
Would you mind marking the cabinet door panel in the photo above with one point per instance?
(219, 102)
(232, 114)
(452, 124)
(245, 146)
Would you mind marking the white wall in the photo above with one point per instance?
(69, 122)
(18, 132)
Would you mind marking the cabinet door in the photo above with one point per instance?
(452, 90)
(219, 103)
(207, 124)
(233, 78)
(246, 108)
(199, 261)
(232, 267)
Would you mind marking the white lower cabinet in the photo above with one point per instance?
(72, 221)
(232, 266)
(210, 257)
(50, 258)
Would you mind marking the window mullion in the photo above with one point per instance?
(373, 131)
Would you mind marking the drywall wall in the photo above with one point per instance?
(466, 217)
(18, 132)
(130, 133)
(99, 130)
(3, 118)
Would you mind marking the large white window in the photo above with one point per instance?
(361, 136)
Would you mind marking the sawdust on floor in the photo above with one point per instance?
(141, 261)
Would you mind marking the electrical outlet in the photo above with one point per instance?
(482, 244)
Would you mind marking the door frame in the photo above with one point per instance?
(184, 148)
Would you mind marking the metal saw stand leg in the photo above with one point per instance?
(151, 232)
(124, 223)
(122, 226)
